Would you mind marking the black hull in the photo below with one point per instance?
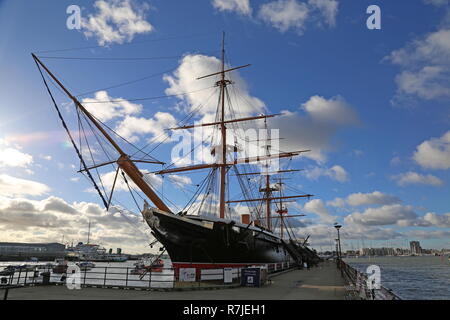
(214, 243)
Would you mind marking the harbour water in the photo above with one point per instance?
(411, 277)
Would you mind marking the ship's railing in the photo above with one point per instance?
(131, 277)
(359, 285)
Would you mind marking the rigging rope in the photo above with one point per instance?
(126, 182)
(128, 43)
(110, 59)
(126, 83)
(70, 136)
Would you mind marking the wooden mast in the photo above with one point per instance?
(223, 168)
(268, 189)
(124, 162)
(281, 211)
(268, 203)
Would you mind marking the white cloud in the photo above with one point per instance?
(416, 178)
(10, 157)
(285, 15)
(104, 110)
(312, 131)
(438, 3)
(336, 172)
(384, 215)
(128, 124)
(337, 202)
(116, 21)
(317, 207)
(334, 111)
(315, 129)
(46, 220)
(438, 220)
(204, 102)
(395, 161)
(425, 64)
(240, 6)
(434, 153)
(429, 83)
(357, 153)
(184, 79)
(180, 181)
(294, 15)
(131, 127)
(427, 234)
(108, 180)
(12, 187)
(376, 197)
(46, 157)
(324, 234)
(364, 199)
(327, 8)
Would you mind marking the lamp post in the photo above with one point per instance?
(339, 253)
(337, 249)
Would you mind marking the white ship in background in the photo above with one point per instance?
(93, 252)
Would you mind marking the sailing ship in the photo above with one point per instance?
(206, 236)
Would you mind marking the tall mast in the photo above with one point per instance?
(281, 211)
(124, 162)
(268, 203)
(223, 130)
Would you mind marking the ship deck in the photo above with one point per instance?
(318, 283)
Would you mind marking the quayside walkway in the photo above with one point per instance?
(319, 283)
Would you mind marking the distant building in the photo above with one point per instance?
(24, 251)
(377, 252)
(415, 247)
(402, 252)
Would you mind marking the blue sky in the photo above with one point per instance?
(372, 105)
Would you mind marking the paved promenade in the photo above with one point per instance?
(320, 283)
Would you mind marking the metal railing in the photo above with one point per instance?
(24, 277)
(166, 278)
(359, 288)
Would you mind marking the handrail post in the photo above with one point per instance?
(126, 278)
(173, 278)
(18, 279)
(150, 278)
(104, 278)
